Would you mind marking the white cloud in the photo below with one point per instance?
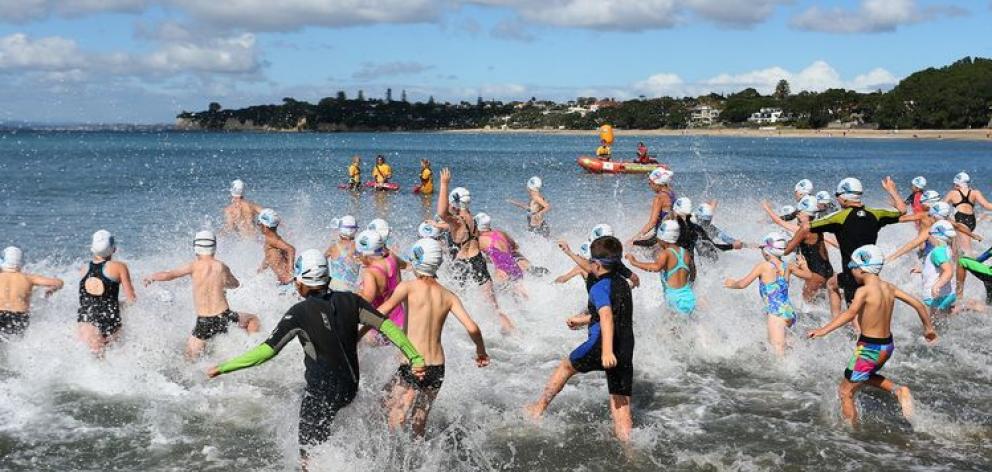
(871, 16)
(372, 71)
(18, 51)
(26, 10)
(221, 55)
(735, 12)
(287, 15)
(818, 76)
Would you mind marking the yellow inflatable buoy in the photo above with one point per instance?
(606, 134)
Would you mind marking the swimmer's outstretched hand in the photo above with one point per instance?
(814, 334)
(445, 175)
(609, 360)
(889, 184)
(729, 283)
(482, 360)
(213, 372)
(930, 335)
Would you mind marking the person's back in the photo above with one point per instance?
(428, 305)
(15, 292)
(676, 273)
(875, 318)
(209, 284)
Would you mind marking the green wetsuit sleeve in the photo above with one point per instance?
(395, 335)
(252, 358)
(831, 223)
(885, 217)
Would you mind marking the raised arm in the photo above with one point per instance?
(746, 281)
(791, 227)
(230, 281)
(655, 266)
(518, 204)
(890, 187)
(442, 196)
(583, 264)
(921, 311)
(915, 243)
(457, 309)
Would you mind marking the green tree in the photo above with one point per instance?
(782, 90)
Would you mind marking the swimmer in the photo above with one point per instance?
(939, 284)
(277, 254)
(610, 343)
(824, 204)
(469, 264)
(355, 174)
(327, 325)
(382, 227)
(939, 211)
(773, 286)
(854, 226)
(496, 245)
(211, 280)
(812, 247)
(342, 263)
(714, 239)
(380, 275)
(872, 306)
(240, 214)
(15, 292)
(964, 199)
(915, 199)
(582, 265)
(802, 188)
(673, 263)
(660, 181)
(409, 398)
(537, 208)
(689, 232)
(99, 319)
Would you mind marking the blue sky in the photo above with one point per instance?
(143, 61)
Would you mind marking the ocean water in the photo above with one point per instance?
(707, 393)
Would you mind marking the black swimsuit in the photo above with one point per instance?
(965, 218)
(815, 261)
(474, 268)
(103, 311)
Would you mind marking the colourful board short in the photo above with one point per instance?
(870, 355)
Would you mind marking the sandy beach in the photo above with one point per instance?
(983, 134)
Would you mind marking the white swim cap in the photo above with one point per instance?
(682, 206)
(347, 226)
(804, 187)
(238, 188)
(704, 212)
(943, 230)
(929, 198)
(427, 230)
(850, 189)
(823, 197)
(460, 198)
(920, 182)
(380, 226)
(269, 218)
(13, 258)
(534, 183)
(807, 205)
(204, 243)
(103, 244)
(867, 258)
(962, 179)
(774, 243)
(669, 231)
(941, 210)
(599, 231)
(426, 256)
(483, 222)
(584, 250)
(310, 268)
(661, 176)
(787, 210)
(369, 243)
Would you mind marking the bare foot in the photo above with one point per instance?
(905, 401)
(534, 412)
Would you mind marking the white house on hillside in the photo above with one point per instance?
(704, 115)
(767, 115)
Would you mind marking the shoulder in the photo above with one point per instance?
(833, 218)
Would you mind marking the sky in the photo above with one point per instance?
(144, 61)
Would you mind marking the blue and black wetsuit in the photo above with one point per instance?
(609, 290)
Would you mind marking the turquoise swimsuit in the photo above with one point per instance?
(680, 300)
(776, 295)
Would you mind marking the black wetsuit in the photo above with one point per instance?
(712, 244)
(609, 290)
(964, 218)
(853, 227)
(103, 311)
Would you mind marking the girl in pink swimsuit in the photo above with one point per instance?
(371, 249)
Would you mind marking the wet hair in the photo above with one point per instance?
(607, 251)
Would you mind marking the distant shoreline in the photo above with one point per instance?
(929, 134)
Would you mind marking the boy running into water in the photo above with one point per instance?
(773, 286)
(674, 264)
(211, 279)
(537, 208)
(99, 306)
(355, 173)
(610, 345)
(240, 214)
(429, 304)
(278, 255)
(327, 325)
(872, 306)
(15, 292)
